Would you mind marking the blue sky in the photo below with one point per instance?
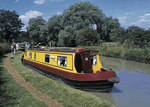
(129, 12)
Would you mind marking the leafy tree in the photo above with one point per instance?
(138, 36)
(66, 37)
(54, 25)
(35, 27)
(86, 37)
(10, 24)
(82, 15)
(117, 35)
(108, 25)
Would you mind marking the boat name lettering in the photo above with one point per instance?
(53, 58)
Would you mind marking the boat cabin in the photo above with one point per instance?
(70, 60)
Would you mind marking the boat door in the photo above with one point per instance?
(86, 63)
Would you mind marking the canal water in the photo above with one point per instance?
(134, 87)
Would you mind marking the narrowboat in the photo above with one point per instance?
(78, 68)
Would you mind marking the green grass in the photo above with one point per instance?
(13, 94)
(67, 96)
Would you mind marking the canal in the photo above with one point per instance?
(134, 88)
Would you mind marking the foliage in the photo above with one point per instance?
(67, 37)
(108, 25)
(4, 48)
(54, 26)
(35, 27)
(64, 29)
(139, 38)
(86, 37)
(117, 35)
(79, 16)
(10, 25)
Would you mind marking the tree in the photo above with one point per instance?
(35, 27)
(54, 25)
(117, 35)
(81, 15)
(66, 37)
(138, 36)
(108, 25)
(86, 37)
(10, 25)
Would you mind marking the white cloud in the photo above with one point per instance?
(140, 21)
(144, 16)
(122, 19)
(143, 19)
(131, 13)
(59, 13)
(17, 1)
(39, 1)
(140, 16)
(30, 14)
(148, 14)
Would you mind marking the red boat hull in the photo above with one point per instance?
(74, 76)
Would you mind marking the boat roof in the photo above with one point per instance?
(67, 50)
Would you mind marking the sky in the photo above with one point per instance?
(129, 12)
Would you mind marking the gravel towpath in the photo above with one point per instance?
(36, 93)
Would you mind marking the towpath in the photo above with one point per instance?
(37, 94)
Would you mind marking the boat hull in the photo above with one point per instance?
(89, 81)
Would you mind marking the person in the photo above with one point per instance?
(17, 46)
(14, 47)
(26, 46)
(29, 46)
(21, 44)
(12, 50)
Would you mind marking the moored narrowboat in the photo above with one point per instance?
(77, 68)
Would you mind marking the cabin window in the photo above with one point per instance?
(62, 61)
(47, 58)
(93, 59)
(30, 55)
(34, 55)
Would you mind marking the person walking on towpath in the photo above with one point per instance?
(27, 46)
(14, 47)
(17, 46)
(12, 50)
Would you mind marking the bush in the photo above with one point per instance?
(4, 48)
(110, 53)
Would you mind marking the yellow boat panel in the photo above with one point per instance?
(53, 61)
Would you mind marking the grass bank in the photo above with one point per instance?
(65, 95)
(134, 54)
(12, 94)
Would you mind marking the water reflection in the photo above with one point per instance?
(134, 87)
(104, 95)
(129, 66)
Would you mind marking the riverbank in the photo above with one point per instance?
(12, 93)
(134, 54)
(65, 95)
